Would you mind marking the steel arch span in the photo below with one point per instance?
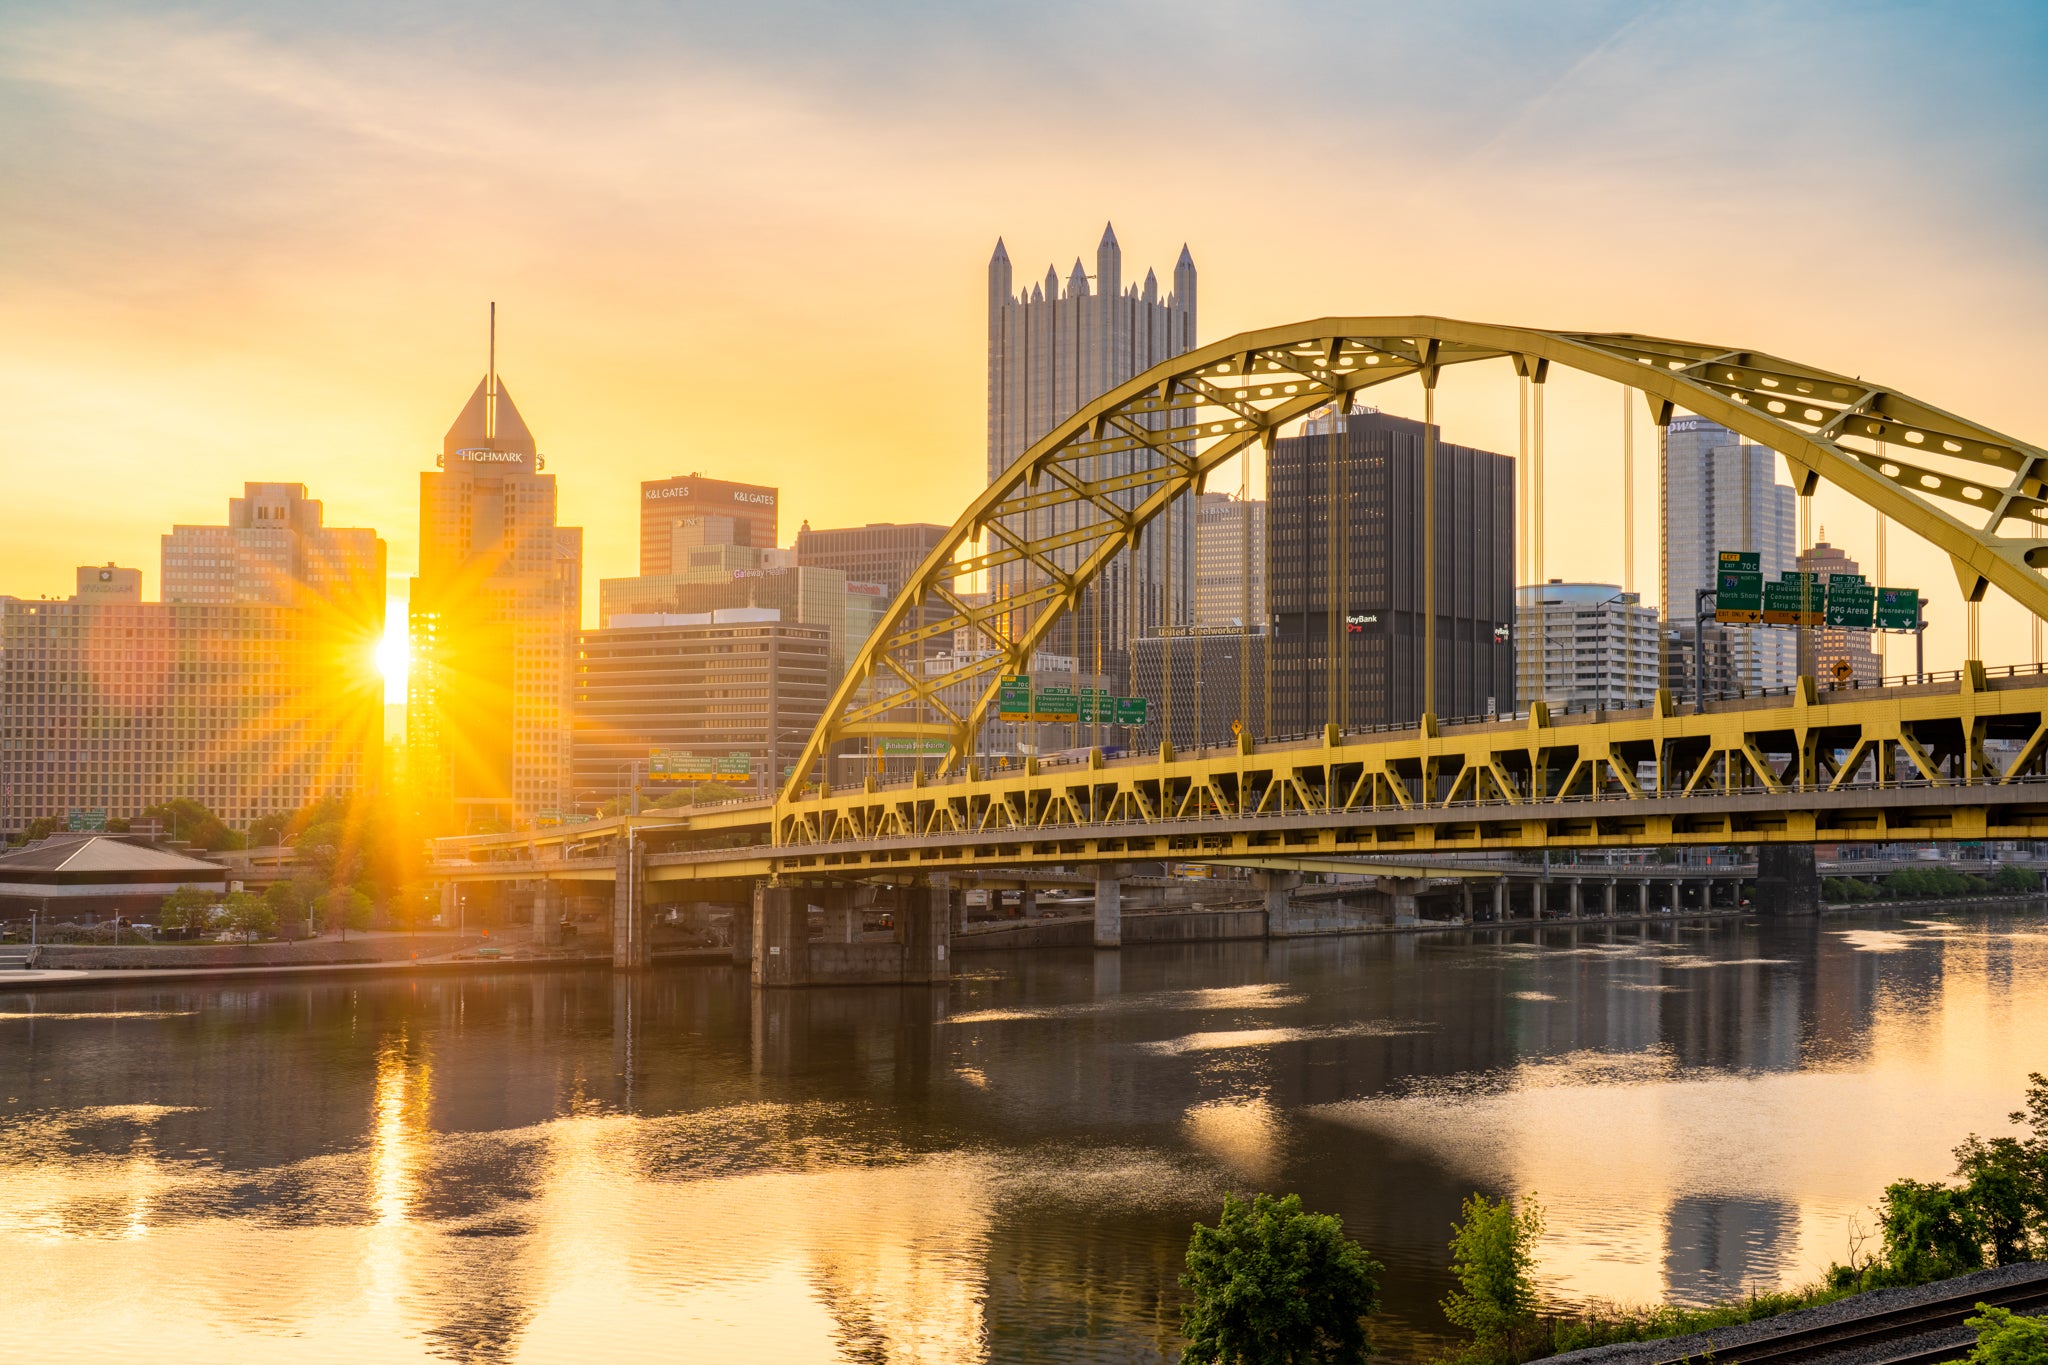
(1085, 492)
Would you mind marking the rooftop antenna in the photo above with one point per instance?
(491, 389)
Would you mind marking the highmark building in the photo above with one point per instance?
(110, 704)
(494, 615)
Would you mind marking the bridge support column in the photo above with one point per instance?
(1538, 900)
(1276, 891)
(1109, 905)
(1577, 895)
(1465, 896)
(921, 927)
(782, 936)
(1607, 898)
(1788, 881)
(1500, 900)
(1404, 898)
(842, 916)
(630, 946)
(1027, 902)
(547, 915)
(743, 931)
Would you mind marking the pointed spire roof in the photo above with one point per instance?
(1185, 258)
(1077, 280)
(1002, 253)
(1108, 235)
(473, 426)
(472, 429)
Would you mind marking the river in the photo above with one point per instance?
(576, 1166)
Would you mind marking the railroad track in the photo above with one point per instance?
(1865, 1334)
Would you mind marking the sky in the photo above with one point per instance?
(258, 241)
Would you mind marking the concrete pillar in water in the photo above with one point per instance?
(1788, 881)
(921, 927)
(743, 931)
(842, 916)
(630, 948)
(1465, 896)
(1577, 896)
(782, 936)
(1404, 898)
(1109, 905)
(1027, 903)
(1500, 900)
(1607, 898)
(547, 915)
(1538, 899)
(1276, 890)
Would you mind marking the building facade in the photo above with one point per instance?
(1585, 645)
(1052, 349)
(275, 547)
(733, 579)
(109, 707)
(1836, 656)
(1230, 562)
(707, 688)
(1719, 492)
(1345, 582)
(1197, 683)
(494, 616)
(665, 502)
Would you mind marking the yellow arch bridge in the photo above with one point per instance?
(1962, 755)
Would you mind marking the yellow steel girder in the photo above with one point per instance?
(1083, 494)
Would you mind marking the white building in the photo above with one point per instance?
(1719, 492)
(276, 549)
(1584, 644)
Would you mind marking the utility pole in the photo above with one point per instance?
(1700, 598)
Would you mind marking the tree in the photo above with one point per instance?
(2006, 1338)
(192, 822)
(1930, 1230)
(1273, 1285)
(287, 911)
(249, 914)
(187, 908)
(1493, 1254)
(347, 908)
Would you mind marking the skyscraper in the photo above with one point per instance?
(1230, 574)
(1719, 492)
(494, 614)
(1051, 351)
(1840, 655)
(1347, 625)
(666, 503)
(276, 548)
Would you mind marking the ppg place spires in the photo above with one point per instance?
(1054, 347)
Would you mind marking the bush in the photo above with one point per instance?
(2005, 1338)
(1493, 1254)
(1835, 889)
(187, 908)
(1273, 1285)
(2016, 881)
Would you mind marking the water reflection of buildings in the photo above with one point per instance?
(1715, 1248)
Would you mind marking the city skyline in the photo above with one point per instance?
(286, 319)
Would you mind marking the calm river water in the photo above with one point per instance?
(557, 1167)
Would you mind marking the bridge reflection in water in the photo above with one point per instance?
(547, 1166)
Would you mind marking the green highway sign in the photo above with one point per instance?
(1845, 580)
(1739, 596)
(1741, 561)
(1130, 711)
(1797, 603)
(1898, 608)
(1851, 605)
(895, 746)
(85, 821)
(1055, 703)
(1013, 698)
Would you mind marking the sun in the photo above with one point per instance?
(393, 654)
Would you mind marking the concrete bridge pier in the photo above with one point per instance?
(1607, 896)
(1404, 898)
(631, 947)
(1787, 881)
(1538, 900)
(1276, 892)
(743, 930)
(547, 915)
(842, 916)
(1577, 896)
(1500, 900)
(1109, 905)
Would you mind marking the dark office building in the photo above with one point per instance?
(1218, 676)
(706, 690)
(1369, 598)
(884, 552)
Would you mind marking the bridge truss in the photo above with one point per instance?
(1089, 490)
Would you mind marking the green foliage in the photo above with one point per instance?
(1930, 1231)
(2013, 881)
(287, 910)
(42, 827)
(186, 908)
(249, 915)
(1608, 1325)
(188, 820)
(345, 908)
(1493, 1254)
(2006, 1338)
(1273, 1285)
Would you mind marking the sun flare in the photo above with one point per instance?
(393, 654)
